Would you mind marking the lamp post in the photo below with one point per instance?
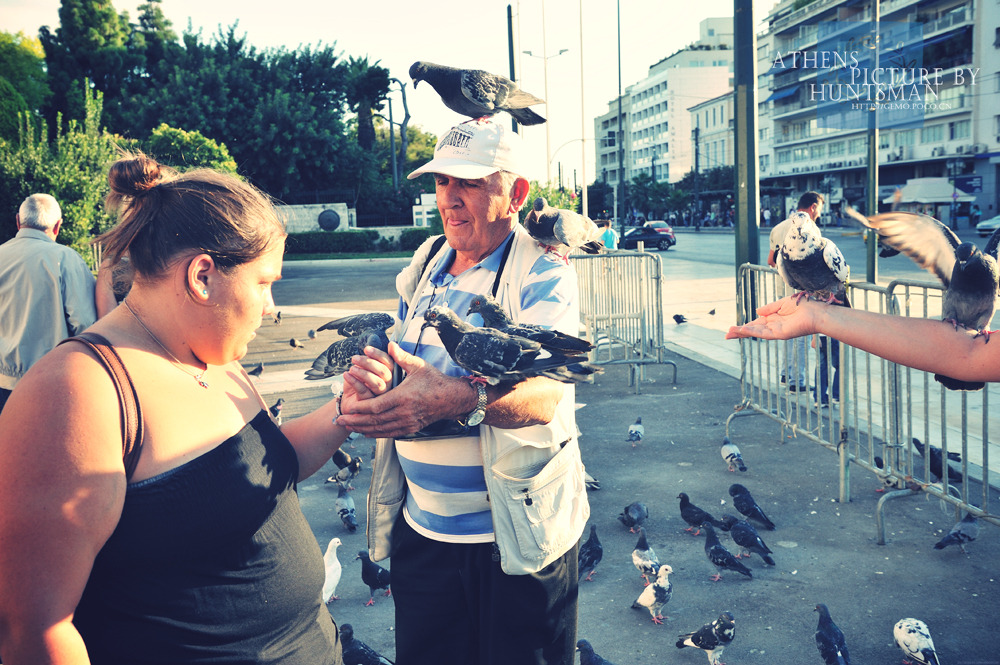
(545, 74)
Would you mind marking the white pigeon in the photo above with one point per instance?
(333, 570)
(812, 264)
(635, 432)
(914, 640)
(656, 595)
(731, 453)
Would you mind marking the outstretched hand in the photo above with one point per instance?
(370, 375)
(781, 319)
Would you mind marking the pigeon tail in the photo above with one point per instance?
(526, 116)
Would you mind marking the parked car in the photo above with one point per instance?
(653, 234)
(988, 226)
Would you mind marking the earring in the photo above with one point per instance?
(204, 292)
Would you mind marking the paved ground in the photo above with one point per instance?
(825, 551)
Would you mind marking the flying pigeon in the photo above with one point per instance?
(348, 468)
(333, 570)
(644, 558)
(965, 531)
(970, 277)
(495, 317)
(494, 355)
(256, 371)
(296, 344)
(695, 516)
(337, 357)
(830, 640)
(634, 515)
(720, 557)
(914, 640)
(477, 94)
(679, 319)
(747, 538)
(357, 652)
(731, 453)
(275, 409)
(591, 553)
(588, 656)
(344, 505)
(711, 638)
(356, 324)
(635, 432)
(812, 264)
(560, 230)
(937, 461)
(374, 576)
(745, 503)
(654, 596)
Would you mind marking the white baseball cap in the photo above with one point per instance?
(473, 150)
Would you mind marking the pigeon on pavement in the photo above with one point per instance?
(634, 515)
(720, 557)
(745, 503)
(562, 230)
(256, 371)
(656, 595)
(937, 461)
(588, 656)
(830, 640)
(296, 343)
(495, 317)
(644, 558)
(344, 505)
(965, 531)
(679, 319)
(593, 484)
(356, 324)
(695, 516)
(888, 481)
(635, 432)
(276, 317)
(747, 538)
(374, 576)
(711, 638)
(914, 640)
(970, 276)
(591, 553)
(333, 571)
(731, 453)
(476, 93)
(348, 468)
(812, 264)
(357, 652)
(275, 409)
(311, 334)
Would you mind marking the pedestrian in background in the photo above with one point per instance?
(610, 236)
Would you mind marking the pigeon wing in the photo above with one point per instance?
(924, 239)
(484, 89)
(350, 326)
(836, 262)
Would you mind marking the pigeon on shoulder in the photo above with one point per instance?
(561, 230)
(476, 93)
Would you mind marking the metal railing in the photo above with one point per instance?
(883, 407)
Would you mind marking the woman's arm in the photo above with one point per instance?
(104, 292)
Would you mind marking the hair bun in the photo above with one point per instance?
(135, 175)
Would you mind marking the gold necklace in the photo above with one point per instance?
(173, 358)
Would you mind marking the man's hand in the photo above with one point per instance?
(370, 375)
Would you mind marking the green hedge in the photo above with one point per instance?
(324, 242)
(410, 239)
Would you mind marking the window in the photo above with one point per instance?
(800, 154)
(903, 137)
(857, 146)
(817, 151)
(932, 134)
(784, 156)
(835, 149)
(765, 162)
(959, 129)
(711, 32)
(762, 134)
(883, 140)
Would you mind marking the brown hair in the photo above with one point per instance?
(808, 199)
(163, 215)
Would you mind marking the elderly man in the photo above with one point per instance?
(482, 520)
(46, 291)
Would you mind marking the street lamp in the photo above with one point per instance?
(548, 108)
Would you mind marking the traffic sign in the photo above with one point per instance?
(970, 184)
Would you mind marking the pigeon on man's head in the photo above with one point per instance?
(333, 571)
(561, 230)
(937, 461)
(337, 357)
(635, 432)
(374, 576)
(634, 515)
(644, 558)
(746, 537)
(356, 652)
(731, 453)
(588, 656)
(476, 93)
(830, 640)
(711, 638)
(654, 596)
(695, 516)
(720, 557)
(679, 319)
(256, 371)
(744, 502)
(591, 553)
(965, 531)
(914, 640)
(344, 505)
(495, 317)
(812, 264)
(970, 277)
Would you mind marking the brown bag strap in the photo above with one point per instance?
(131, 413)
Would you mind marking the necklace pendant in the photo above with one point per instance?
(201, 382)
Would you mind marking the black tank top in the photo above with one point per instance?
(212, 561)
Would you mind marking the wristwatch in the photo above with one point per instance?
(476, 415)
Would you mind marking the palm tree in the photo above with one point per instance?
(367, 87)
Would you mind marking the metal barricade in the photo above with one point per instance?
(621, 306)
(883, 407)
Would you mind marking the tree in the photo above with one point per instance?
(554, 195)
(367, 87)
(12, 106)
(186, 150)
(22, 62)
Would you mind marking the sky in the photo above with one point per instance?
(395, 33)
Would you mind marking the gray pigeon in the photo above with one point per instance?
(634, 515)
(588, 656)
(644, 558)
(349, 326)
(495, 317)
(276, 408)
(965, 531)
(296, 343)
(720, 557)
(348, 468)
(937, 462)
(256, 371)
(357, 652)
(654, 596)
(711, 638)
(747, 538)
(731, 453)
(635, 432)
(374, 576)
(591, 553)
(476, 93)
(830, 640)
(970, 277)
(562, 230)
(812, 264)
(344, 505)
(745, 503)
(337, 357)
(914, 639)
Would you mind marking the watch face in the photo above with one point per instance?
(476, 417)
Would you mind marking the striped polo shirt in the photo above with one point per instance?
(446, 487)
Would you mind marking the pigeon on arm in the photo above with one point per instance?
(812, 264)
(476, 93)
(495, 317)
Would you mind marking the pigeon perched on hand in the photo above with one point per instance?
(344, 505)
(937, 462)
(357, 652)
(588, 656)
(965, 531)
(914, 640)
(644, 558)
(634, 515)
(711, 638)
(731, 453)
(970, 277)
(830, 640)
(374, 576)
(476, 93)
(591, 553)
(744, 502)
(359, 331)
(561, 230)
(695, 516)
(812, 264)
(635, 432)
(348, 466)
(720, 557)
(747, 538)
(333, 571)
(656, 595)
(495, 317)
